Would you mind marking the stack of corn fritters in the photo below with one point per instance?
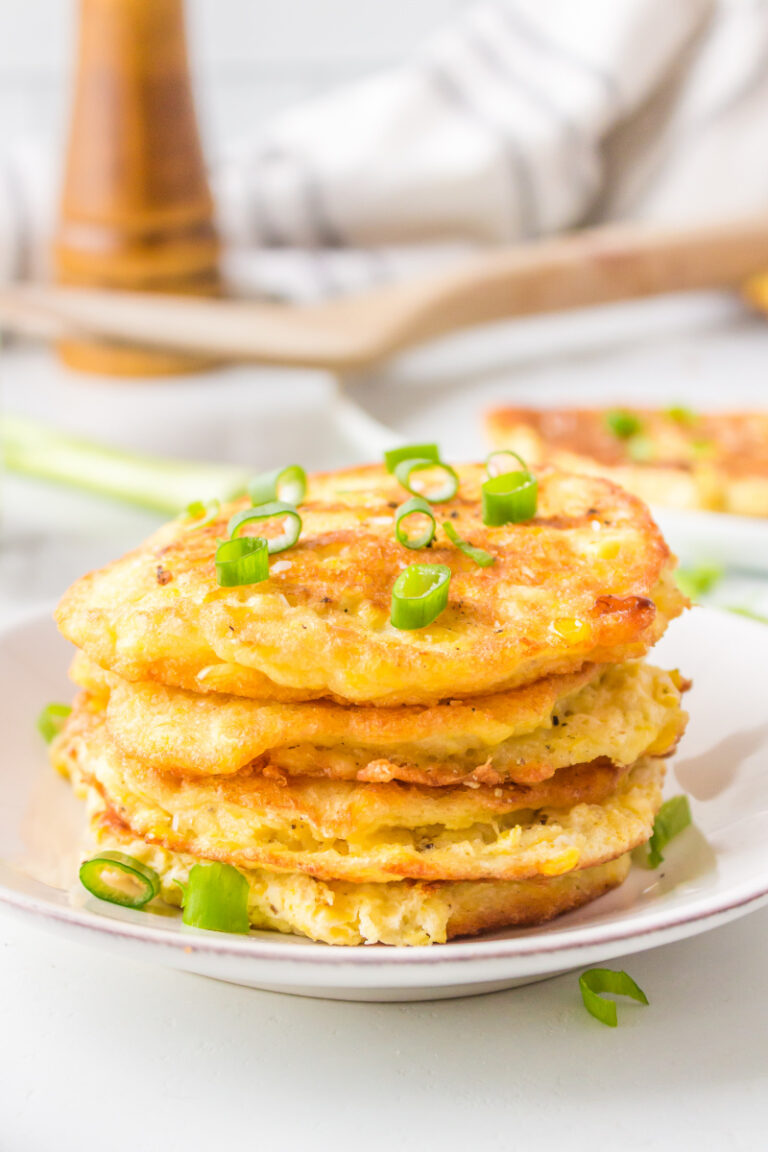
(375, 785)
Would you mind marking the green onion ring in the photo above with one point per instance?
(415, 506)
(450, 487)
(479, 555)
(501, 471)
(216, 898)
(51, 720)
(623, 424)
(93, 877)
(673, 816)
(411, 452)
(597, 980)
(285, 484)
(419, 595)
(243, 561)
(269, 512)
(509, 499)
(201, 514)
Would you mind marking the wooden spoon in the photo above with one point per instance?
(352, 333)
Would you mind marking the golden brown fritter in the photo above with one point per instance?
(401, 912)
(674, 458)
(335, 829)
(587, 580)
(621, 712)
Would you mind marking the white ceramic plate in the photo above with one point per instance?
(714, 872)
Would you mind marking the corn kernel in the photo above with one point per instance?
(564, 862)
(570, 629)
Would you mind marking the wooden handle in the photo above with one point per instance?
(596, 267)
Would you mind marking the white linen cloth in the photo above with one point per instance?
(524, 118)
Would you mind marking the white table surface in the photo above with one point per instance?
(99, 1053)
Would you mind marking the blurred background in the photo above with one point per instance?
(316, 150)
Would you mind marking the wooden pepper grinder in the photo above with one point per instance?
(136, 211)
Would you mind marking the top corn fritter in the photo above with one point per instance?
(588, 579)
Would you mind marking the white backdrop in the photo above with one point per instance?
(251, 57)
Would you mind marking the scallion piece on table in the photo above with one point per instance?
(623, 424)
(479, 555)
(673, 816)
(216, 898)
(273, 511)
(417, 508)
(598, 980)
(51, 720)
(200, 515)
(410, 452)
(120, 879)
(242, 561)
(419, 595)
(436, 493)
(288, 485)
(509, 499)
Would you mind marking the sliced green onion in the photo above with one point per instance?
(417, 506)
(216, 898)
(446, 491)
(703, 447)
(411, 452)
(623, 424)
(681, 415)
(243, 561)
(419, 595)
(167, 486)
(285, 484)
(640, 449)
(697, 582)
(673, 816)
(51, 720)
(503, 465)
(484, 559)
(750, 613)
(102, 876)
(509, 499)
(201, 514)
(598, 980)
(277, 508)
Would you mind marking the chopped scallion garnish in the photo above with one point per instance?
(750, 613)
(697, 582)
(510, 498)
(623, 424)
(681, 415)
(596, 981)
(242, 561)
(640, 449)
(120, 879)
(288, 485)
(445, 488)
(497, 463)
(673, 816)
(216, 898)
(415, 508)
(481, 557)
(419, 595)
(199, 514)
(51, 720)
(276, 510)
(410, 452)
